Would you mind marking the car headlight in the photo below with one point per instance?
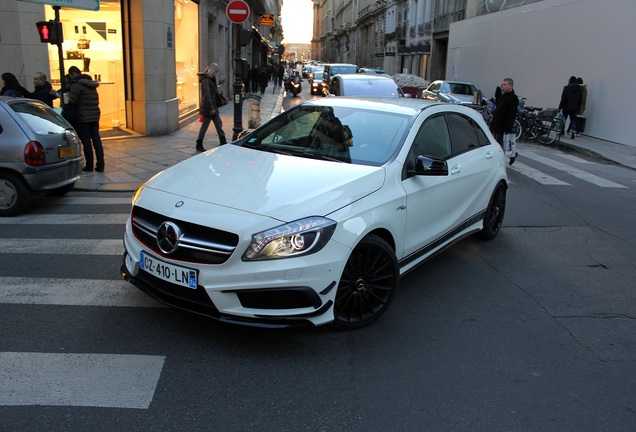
(301, 237)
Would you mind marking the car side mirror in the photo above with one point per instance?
(430, 167)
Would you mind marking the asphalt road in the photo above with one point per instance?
(534, 331)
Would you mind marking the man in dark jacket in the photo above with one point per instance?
(570, 104)
(83, 95)
(43, 89)
(505, 114)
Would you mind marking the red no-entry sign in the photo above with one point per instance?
(237, 11)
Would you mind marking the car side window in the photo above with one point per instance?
(463, 132)
(432, 139)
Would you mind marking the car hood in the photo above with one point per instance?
(277, 186)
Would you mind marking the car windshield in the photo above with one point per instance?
(343, 134)
(459, 88)
(334, 70)
(363, 87)
(39, 117)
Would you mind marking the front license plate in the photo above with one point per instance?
(68, 152)
(175, 274)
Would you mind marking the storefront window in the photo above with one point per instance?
(186, 25)
(93, 43)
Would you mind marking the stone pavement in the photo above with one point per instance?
(133, 159)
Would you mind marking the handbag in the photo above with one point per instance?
(73, 54)
(83, 43)
(221, 100)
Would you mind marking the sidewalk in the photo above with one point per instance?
(133, 159)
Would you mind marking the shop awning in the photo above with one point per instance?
(256, 35)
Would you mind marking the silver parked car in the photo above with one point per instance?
(456, 92)
(39, 152)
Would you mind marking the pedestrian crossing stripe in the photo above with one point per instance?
(583, 175)
(62, 246)
(73, 292)
(93, 380)
(67, 219)
(537, 175)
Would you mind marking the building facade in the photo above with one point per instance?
(146, 54)
(539, 43)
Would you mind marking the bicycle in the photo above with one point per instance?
(550, 125)
(527, 118)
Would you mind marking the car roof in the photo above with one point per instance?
(406, 106)
(366, 77)
(453, 82)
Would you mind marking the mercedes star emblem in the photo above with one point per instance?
(168, 237)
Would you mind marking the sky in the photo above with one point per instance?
(297, 17)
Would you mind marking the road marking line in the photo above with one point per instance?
(62, 246)
(537, 175)
(73, 292)
(94, 380)
(67, 219)
(588, 177)
(574, 158)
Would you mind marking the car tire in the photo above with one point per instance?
(15, 195)
(368, 284)
(493, 219)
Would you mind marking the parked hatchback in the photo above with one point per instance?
(39, 152)
(313, 217)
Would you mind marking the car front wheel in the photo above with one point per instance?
(493, 219)
(15, 195)
(368, 284)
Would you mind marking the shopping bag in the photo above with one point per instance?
(509, 144)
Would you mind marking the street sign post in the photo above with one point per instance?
(237, 11)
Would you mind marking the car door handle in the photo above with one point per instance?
(456, 169)
(490, 154)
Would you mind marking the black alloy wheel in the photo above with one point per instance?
(493, 219)
(368, 284)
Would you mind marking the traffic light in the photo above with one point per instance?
(50, 32)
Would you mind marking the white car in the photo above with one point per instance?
(313, 217)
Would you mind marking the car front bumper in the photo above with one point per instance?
(288, 292)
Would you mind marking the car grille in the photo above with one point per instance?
(198, 244)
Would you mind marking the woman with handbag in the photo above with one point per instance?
(211, 100)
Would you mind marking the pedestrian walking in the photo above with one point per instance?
(264, 79)
(255, 78)
(247, 79)
(504, 119)
(10, 86)
(209, 108)
(570, 104)
(580, 118)
(84, 97)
